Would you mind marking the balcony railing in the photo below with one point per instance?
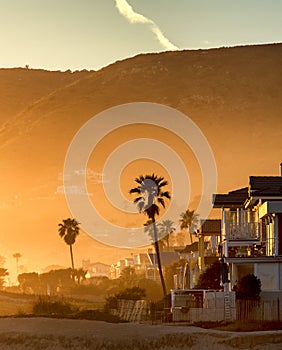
(242, 231)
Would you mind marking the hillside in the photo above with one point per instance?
(233, 94)
(21, 87)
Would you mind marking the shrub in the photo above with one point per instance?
(45, 306)
(210, 278)
(97, 315)
(248, 288)
(134, 293)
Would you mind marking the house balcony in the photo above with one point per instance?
(245, 249)
(242, 232)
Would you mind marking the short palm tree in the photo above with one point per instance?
(17, 256)
(188, 220)
(150, 193)
(166, 227)
(69, 230)
(79, 274)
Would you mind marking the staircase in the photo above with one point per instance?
(227, 307)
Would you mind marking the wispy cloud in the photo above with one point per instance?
(133, 17)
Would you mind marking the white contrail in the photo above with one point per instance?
(133, 17)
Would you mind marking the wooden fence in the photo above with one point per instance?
(246, 310)
(141, 310)
(251, 310)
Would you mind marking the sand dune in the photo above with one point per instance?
(44, 333)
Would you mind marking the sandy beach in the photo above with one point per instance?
(47, 333)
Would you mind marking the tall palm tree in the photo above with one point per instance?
(166, 227)
(69, 230)
(17, 256)
(189, 220)
(149, 229)
(150, 193)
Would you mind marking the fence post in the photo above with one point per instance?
(278, 309)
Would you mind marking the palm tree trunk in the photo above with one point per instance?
(191, 237)
(71, 254)
(158, 257)
(167, 240)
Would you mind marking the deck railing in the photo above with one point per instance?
(242, 231)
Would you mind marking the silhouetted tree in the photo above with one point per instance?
(134, 293)
(127, 273)
(128, 277)
(149, 194)
(166, 228)
(149, 229)
(189, 220)
(2, 261)
(29, 282)
(57, 280)
(17, 256)
(248, 288)
(173, 269)
(3, 274)
(69, 230)
(210, 278)
(79, 275)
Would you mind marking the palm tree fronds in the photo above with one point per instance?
(140, 206)
(135, 190)
(165, 194)
(160, 200)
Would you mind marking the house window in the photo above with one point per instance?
(243, 269)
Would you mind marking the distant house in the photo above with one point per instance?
(209, 238)
(116, 269)
(144, 263)
(96, 269)
(167, 258)
(251, 236)
(140, 262)
(202, 253)
(129, 262)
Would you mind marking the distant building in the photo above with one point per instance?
(140, 262)
(200, 254)
(96, 269)
(116, 269)
(167, 258)
(209, 238)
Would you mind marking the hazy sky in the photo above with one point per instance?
(89, 34)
